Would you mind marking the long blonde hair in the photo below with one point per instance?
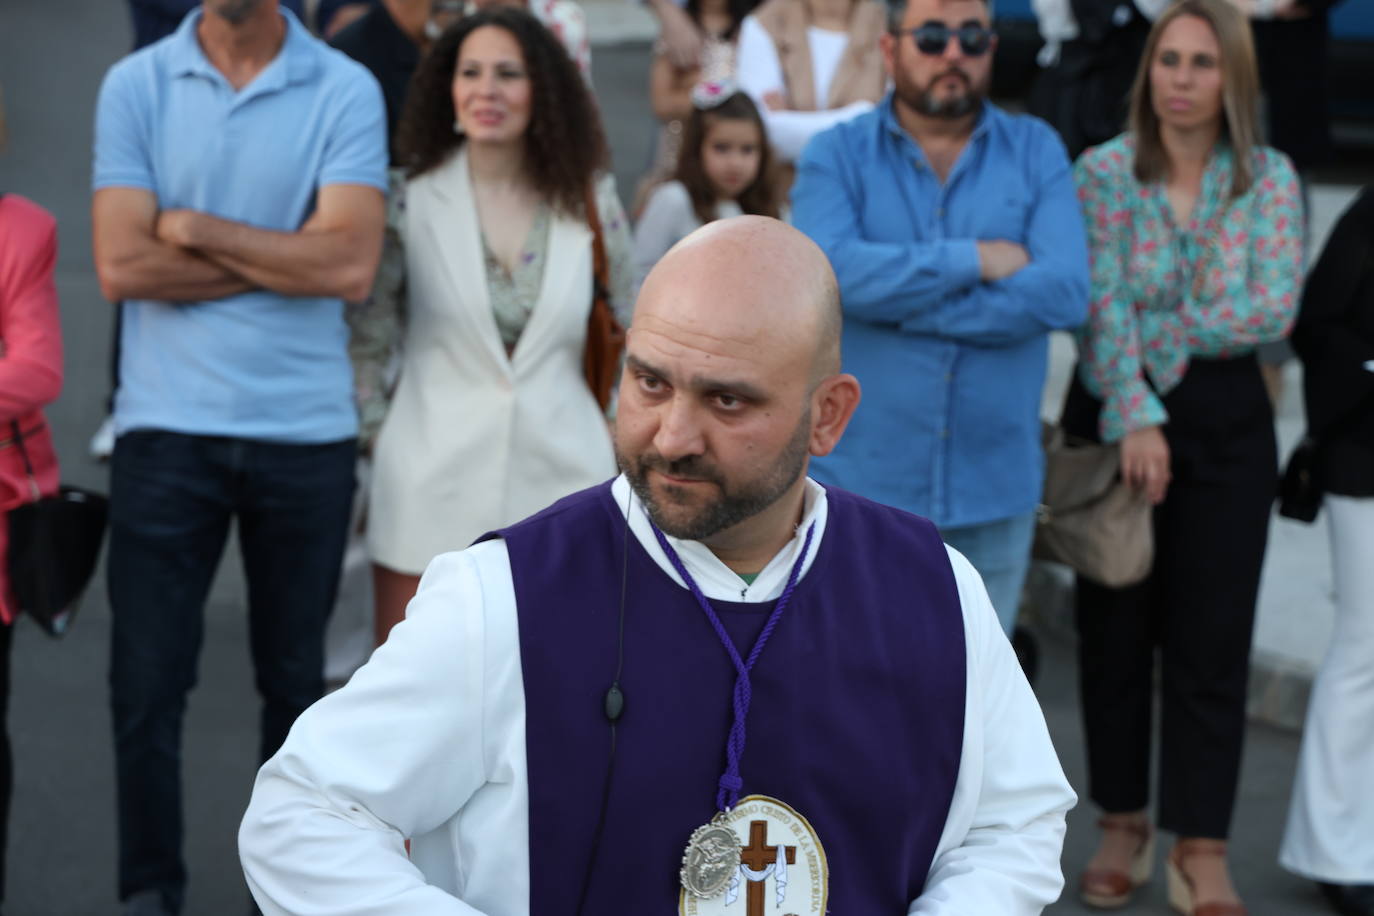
(1239, 92)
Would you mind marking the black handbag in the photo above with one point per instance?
(54, 543)
(1300, 491)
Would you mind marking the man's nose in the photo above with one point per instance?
(679, 432)
(954, 51)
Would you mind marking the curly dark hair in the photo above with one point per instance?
(760, 198)
(565, 143)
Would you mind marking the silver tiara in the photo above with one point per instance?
(707, 94)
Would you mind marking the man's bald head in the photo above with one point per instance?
(731, 384)
(756, 281)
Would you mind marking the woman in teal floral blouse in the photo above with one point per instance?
(1195, 233)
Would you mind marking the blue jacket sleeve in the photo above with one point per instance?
(880, 282)
(1050, 293)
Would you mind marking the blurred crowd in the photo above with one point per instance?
(378, 264)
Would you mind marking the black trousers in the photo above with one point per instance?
(172, 497)
(1195, 613)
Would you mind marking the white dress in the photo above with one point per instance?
(475, 439)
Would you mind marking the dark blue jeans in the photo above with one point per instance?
(172, 497)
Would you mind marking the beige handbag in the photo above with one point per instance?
(1089, 518)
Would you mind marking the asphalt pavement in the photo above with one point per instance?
(62, 835)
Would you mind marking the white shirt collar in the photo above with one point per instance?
(718, 581)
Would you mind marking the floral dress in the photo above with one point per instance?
(1162, 293)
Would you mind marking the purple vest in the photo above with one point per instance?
(857, 718)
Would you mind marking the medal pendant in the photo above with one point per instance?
(775, 864)
(711, 858)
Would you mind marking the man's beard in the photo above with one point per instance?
(925, 101)
(235, 12)
(735, 503)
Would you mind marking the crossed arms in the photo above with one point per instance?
(980, 292)
(142, 252)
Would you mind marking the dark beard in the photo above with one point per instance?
(925, 102)
(734, 505)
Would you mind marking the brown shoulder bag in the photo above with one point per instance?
(605, 336)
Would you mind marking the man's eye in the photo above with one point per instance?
(728, 401)
(649, 383)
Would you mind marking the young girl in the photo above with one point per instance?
(723, 171)
(670, 86)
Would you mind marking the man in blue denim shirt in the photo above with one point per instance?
(955, 231)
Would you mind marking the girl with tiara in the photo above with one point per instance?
(670, 86)
(724, 170)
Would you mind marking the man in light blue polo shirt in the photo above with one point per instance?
(955, 232)
(239, 179)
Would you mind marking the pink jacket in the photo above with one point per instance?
(30, 361)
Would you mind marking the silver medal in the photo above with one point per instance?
(712, 856)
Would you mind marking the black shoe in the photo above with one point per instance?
(146, 903)
(1349, 899)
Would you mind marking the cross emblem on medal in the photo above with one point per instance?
(761, 860)
(762, 854)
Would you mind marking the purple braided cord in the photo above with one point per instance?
(727, 796)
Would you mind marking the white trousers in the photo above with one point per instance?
(1330, 833)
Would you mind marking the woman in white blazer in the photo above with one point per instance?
(487, 287)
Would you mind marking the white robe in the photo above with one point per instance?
(428, 741)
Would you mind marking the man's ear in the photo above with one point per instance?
(887, 44)
(832, 404)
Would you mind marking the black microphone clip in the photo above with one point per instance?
(615, 702)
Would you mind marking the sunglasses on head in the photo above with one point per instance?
(933, 37)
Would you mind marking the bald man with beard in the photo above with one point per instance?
(708, 686)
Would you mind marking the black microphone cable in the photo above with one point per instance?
(613, 705)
